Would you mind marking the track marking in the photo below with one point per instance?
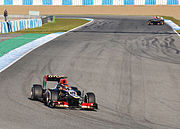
(174, 26)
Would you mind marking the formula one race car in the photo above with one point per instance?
(62, 95)
(156, 21)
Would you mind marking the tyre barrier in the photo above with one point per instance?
(17, 25)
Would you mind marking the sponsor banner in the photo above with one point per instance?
(17, 2)
(77, 2)
(89, 2)
(161, 2)
(1, 2)
(57, 2)
(47, 2)
(28, 2)
(107, 2)
(37, 2)
(66, 2)
(118, 2)
(150, 2)
(128, 2)
(172, 2)
(8, 2)
(139, 2)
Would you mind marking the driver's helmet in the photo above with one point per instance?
(155, 17)
(63, 81)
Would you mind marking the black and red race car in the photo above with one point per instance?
(156, 21)
(62, 95)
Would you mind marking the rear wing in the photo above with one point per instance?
(51, 78)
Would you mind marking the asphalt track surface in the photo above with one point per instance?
(132, 68)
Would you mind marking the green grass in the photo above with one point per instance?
(60, 25)
(13, 43)
(174, 20)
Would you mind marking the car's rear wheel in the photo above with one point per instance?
(36, 92)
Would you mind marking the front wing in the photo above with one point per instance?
(64, 104)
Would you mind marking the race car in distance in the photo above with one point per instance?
(156, 21)
(62, 95)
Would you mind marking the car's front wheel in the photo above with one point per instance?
(162, 23)
(90, 98)
(51, 96)
(149, 22)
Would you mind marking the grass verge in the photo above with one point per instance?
(174, 20)
(60, 25)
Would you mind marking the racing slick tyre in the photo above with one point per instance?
(149, 22)
(162, 23)
(90, 97)
(50, 97)
(36, 92)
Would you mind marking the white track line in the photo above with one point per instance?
(173, 26)
(13, 56)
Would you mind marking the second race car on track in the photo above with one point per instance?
(62, 95)
(156, 21)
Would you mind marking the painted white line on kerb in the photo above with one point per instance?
(173, 26)
(13, 56)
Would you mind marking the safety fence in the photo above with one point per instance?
(89, 2)
(18, 25)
